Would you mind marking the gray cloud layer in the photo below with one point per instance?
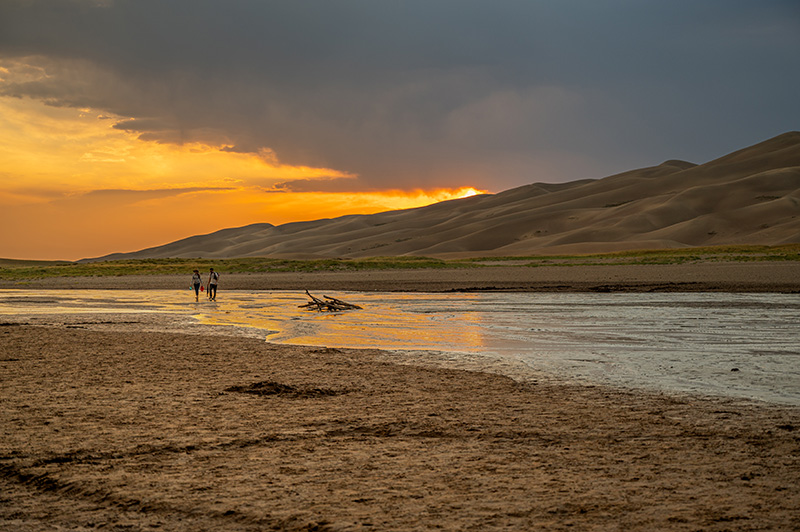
(490, 93)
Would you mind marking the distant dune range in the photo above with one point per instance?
(751, 196)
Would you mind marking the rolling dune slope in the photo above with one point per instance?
(751, 196)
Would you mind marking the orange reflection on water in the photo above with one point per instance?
(409, 321)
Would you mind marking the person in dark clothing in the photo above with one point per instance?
(213, 277)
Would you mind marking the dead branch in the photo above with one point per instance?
(341, 303)
(330, 304)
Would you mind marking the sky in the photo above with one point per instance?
(127, 124)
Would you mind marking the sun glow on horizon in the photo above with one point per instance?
(466, 192)
(72, 186)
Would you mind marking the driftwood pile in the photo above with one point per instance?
(330, 304)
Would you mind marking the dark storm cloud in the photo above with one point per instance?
(489, 93)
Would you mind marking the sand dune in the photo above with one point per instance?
(751, 196)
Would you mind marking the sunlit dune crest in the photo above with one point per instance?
(418, 198)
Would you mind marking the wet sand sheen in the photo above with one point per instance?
(128, 428)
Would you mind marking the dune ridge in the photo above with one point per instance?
(750, 196)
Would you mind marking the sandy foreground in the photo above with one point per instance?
(108, 425)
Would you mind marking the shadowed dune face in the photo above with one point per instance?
(751, 196)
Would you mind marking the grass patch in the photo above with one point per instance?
(786, 252)
(20, 271)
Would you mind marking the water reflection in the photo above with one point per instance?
(387, 321)
(742, 345)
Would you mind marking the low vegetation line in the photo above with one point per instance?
(12, 270)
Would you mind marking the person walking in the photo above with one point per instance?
(213, 277)
(196, 282)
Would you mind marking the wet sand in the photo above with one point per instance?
(107, 425)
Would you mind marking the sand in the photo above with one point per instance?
(111, 430)
(702, 276)
(108, 425)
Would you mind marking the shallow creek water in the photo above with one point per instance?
(735, 345)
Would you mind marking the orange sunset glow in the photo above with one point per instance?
(72, 186)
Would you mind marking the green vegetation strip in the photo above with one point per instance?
(786, 252)
(12, 270)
